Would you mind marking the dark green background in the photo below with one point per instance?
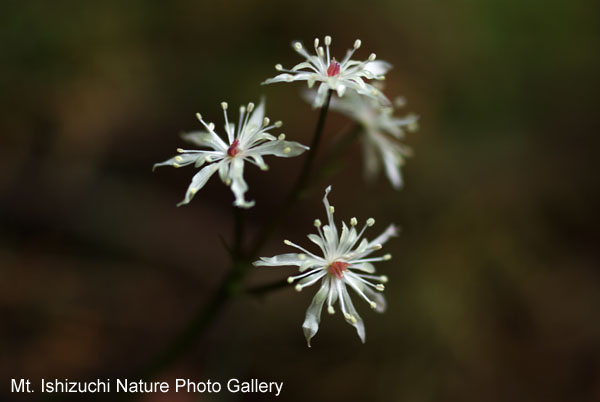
(494, 289)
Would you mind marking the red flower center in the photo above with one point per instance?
(233, 148)
(333, 69)
(338, 268)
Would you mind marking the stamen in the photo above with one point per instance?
(224, 105)
(353, 222)
(372, 57)
(281, 137)
(278, 67)
(357, 43)
(317, 223)
(327, 40)
(278, 124)
(289, 243)
(370, 222)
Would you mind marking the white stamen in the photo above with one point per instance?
(278, 123)
(298, 45)
(287, 150)
(331, 209)
(278, 67)
(372, 57)
(224, 105)
(357, 43)
(317, 223)
(266, 121)
(370, 222)
(387, 257)
(330, 310)
(353, 222)
(327, 40)
(250, 107)
(281, 137)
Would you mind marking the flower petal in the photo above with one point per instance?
(198, 181)
(313, 313)
(238, 184)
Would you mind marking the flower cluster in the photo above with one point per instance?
(344, 260)
(249, 143)
(343, 265)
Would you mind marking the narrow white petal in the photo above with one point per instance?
(313, 313)
(198, 181)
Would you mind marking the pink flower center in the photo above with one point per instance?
(333, 69)
(233, 148)
(338, 268)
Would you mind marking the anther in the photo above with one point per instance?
(317, 223)
(373, 305)
(287, 150)
(377, 246)
(199, 116)
(370, 222)
(264, 167)
(178, 158)
(208, 158)
(211, 126)
(316, 43)
(348, 316)
(224, 105)
(180, 150)
(298, 45)
(228, 182)
(301, 257)
(287, 242)
(250, 107)
(281, 137)
(278, 67)
(380, 287)
(353, 222)
(331, 209)
(266, 121)
(357, 43)
(328, 40)
(298, 288)
(387, 257)
(290, 279)
(278, 123)
(330, 310)
(383, 278)
(176, 165)
(372, 57)
(242, 109)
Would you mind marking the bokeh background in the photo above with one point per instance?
(495, 282)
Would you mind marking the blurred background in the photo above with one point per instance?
(494, 289)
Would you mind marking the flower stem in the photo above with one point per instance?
(299, 187)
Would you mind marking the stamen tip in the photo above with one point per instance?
(317, 223)
(383, 278)
(278, 67)
(224, 105)
(287, 150)
(331, 209)
(353, 222)
(298, 288)
(330, 310)
(380, 287)
(373, 305)
(281, 137)
(290, 279)
(180, 150)
(278, 123)
(301, 257)
(387, 257)
(199, 116)
(250, 107)
(327, 40)
(357, 43)
(298, 45)
(287, 242)
(370, 222)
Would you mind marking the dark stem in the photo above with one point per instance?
(298, 189)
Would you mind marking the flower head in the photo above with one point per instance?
(382, 132)
(249, 143)
(342, 265)
(334, 75)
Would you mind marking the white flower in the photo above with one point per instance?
(333, 75)
(381, 134)
(249, 143)
(343, 265)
